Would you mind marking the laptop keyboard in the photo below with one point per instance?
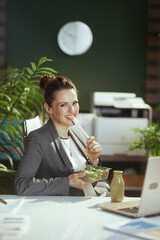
(130, 209)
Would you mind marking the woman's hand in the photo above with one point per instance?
(93, 149)
(75, 180)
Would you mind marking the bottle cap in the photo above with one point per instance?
(117, 172)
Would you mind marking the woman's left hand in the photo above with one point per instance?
(93, 149)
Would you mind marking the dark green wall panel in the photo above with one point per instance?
(115, 62)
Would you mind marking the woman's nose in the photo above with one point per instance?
(71, 109)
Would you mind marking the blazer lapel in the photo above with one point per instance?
(79, 142)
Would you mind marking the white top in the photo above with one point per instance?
(76, 158)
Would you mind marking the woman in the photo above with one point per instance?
(56, 152)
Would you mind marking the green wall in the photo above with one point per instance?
(115, 62)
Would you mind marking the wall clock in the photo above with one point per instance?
(75, 38)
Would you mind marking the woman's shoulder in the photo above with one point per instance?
(47, 130)
(42, 131)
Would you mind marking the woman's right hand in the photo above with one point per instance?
(75, 180)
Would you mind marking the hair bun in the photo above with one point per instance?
(44, 80)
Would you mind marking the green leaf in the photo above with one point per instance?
(29, 70)
(33, 66)
(46, 72)
(37, 76)
(43, 60)
(3, 95)
(47, 69)
(3, 168)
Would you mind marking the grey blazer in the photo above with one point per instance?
(45, 166)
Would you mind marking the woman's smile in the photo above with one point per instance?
(71, 116)
(64, 108)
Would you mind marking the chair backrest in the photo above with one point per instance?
(29, 125)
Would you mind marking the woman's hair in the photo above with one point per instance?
(50, 85)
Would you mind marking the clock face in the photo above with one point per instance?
(75, 38)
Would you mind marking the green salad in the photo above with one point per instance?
(96, 173)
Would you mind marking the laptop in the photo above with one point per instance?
(149, 203)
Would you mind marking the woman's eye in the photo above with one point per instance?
(75, 103)
(63, 105)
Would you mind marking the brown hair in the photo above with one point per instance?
(50, 85)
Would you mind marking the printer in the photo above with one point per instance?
(116, 114)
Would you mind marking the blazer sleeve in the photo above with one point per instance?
(26, 182)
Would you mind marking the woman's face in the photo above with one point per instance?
(65, 105)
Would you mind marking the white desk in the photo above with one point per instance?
(65, 218)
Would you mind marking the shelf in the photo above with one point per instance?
(133, 182)
(123, 158)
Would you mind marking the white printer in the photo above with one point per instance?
(116, 114)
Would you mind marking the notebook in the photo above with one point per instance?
(149, 203)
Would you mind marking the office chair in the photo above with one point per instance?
(29, 125)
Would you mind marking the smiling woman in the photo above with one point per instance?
(57, 153)
(65, 106)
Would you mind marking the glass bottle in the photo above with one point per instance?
(117, 187)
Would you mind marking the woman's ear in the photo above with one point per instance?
(47, 108)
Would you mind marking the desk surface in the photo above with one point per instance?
(64, 218)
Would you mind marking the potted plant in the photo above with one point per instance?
(20, 99)
(148, 139)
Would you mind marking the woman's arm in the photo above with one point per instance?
(75, 180)
(26, 182)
